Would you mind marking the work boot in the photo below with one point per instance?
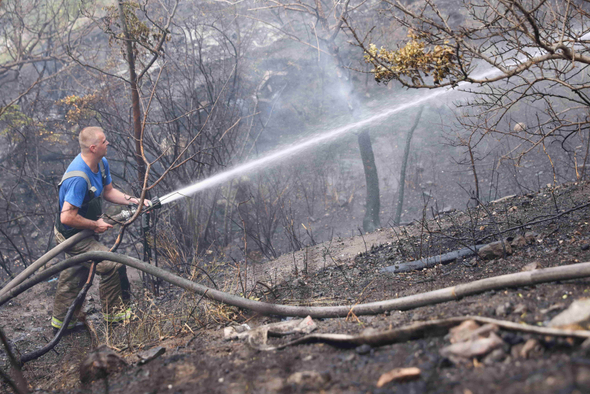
(124, 317)
(72, 327)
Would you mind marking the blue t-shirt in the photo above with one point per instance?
(75, 190)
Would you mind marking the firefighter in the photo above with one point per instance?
(86, 181)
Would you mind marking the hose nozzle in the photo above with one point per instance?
(155, 203)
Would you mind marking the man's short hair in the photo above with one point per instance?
(89, 136)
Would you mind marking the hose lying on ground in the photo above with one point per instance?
(527, 278)
(44, 259)
(74, 239)
(69, 314)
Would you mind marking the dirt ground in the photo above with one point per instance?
(347, 272)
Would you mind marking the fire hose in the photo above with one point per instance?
(527, 278)
(123, 216)
(520, 279)
(117, 219)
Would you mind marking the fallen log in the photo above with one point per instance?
(419, 330)
(430, 262)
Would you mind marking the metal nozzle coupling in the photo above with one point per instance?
(155, 203)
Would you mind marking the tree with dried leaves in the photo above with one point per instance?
(523, 61)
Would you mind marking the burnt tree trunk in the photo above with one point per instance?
(402, 175)
(137, 127)
(373, 204)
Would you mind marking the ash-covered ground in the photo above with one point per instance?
(343, 272)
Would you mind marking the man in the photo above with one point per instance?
(86, 180)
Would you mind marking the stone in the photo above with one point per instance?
(236, 332)
(472, 348)
(309, 379)
(520, 309)
(577, 316)
(495, 356)
(531, 349)
(151, 354)
(363, 349)
(518, 242)
(494, 250)
(273, 385)
(516, 350)
(504, 309)
(531, 237)
(531, 266)
(463, 331)
(100, 363)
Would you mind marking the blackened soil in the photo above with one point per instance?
(202, 361)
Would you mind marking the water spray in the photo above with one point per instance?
(285, 153)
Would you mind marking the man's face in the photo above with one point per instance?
(101, 145)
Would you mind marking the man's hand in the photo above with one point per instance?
(146, 202)
(115, 196)
(101, 226)
(69, 216)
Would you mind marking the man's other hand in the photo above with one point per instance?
(146, 203)
(102, 226)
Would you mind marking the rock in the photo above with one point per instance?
(504, 309)
(273, 385)
(519, 127)
(463, 331)
(531, 237)
(472, 348)
(520, 309)
(518, 242)
(236, 332)
(99, 363)
(151, 354)
(298, 282)
(531, 349)
(399, 374)
(447, 209)
(259, 335)
(515, 350)
(363, 349)
(35, 234)
(585, 246)
(577, 316)
(309, 379)
(495, 356)
(531, 266)
(494, 250)
(469, 330)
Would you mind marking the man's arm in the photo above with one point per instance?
(69, 216)
(115, 196)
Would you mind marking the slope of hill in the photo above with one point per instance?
(348, 271)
